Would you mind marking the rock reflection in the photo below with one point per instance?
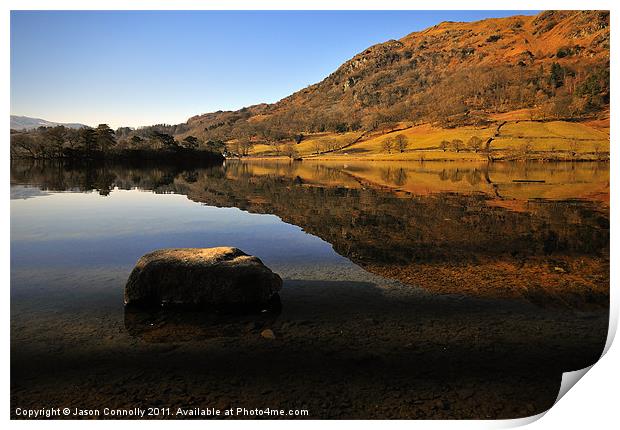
(169, 324)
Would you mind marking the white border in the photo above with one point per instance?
(592, 403)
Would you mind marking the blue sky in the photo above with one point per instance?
(138, 68)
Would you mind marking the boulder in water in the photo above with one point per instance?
(221, 277)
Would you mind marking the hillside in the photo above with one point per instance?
(28, 123)
(550, 67)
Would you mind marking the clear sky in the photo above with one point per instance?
(136, 68)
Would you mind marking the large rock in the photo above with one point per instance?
(213, 277)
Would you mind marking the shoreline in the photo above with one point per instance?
(480, 159)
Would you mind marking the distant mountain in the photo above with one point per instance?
(27, 123)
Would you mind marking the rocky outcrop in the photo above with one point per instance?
(221, 277)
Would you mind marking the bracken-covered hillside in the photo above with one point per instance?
(555, 64)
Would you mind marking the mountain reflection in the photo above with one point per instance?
(448, 228)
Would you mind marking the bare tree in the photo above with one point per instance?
(290, 151)
(245, 146)
(444, 145)
(388, 144)
(475, 143)
(598, 150)
(23, 142)
(401, 142)
(457, 144)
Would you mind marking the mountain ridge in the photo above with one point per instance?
(20, 122)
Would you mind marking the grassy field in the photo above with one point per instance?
(516, 139)
(563, 129)
(554, 136)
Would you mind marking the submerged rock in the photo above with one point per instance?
(268, 334)
(213, 277)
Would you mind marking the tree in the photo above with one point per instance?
(234, 148)
(556, 77)
(475, 143)
(56, 137)
(444, 145)
(216, 146)
(105, 137)
(72, 137)
(123, 132)
(561, 107)
(21, 142)
(388, 126)
(164, 139)
(191, 142)
(88, 139)
(598, 150)
(457, 144)
(290, 151)
(245, 146)
(388, 144)
(401, 142)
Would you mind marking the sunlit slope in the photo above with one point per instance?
(552, 136)
(532, 139)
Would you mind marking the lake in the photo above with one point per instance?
(411, 290)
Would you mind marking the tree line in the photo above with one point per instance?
(103, 142)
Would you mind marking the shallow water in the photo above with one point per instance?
(413, 290)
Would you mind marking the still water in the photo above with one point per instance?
(411, 290)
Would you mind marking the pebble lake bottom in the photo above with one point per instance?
(399, 301)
